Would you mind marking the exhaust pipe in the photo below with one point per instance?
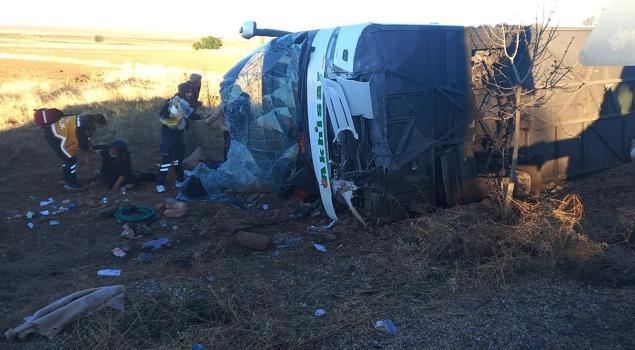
(249, 30)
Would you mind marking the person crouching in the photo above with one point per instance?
(116, 167)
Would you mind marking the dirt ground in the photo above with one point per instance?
(252, 299)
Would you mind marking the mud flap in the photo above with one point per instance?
(458, 179)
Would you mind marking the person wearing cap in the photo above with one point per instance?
(173, 118)
(195, 79)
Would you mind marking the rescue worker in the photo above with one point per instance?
(173, 118)
(67, 137)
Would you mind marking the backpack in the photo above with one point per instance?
(46, 116)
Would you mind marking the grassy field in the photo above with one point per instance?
(126, 78)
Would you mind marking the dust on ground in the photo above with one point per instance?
(203, 289)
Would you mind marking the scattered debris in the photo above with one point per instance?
(46, 202)
(386, 326)
(163, 223)
(129, 233)
(156, 243)
(104, 200)
(118, 252)
(320, 312)
(109, 273)
(285, 243)
(251, 240)
(175, 209)
(51, 319)
(29, 215)
(54, 222)
(30, 225)
(322, 228)
(319, 247)
(44, 213)
(265, 206)
(210, 279)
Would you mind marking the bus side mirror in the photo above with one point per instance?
(248, 29)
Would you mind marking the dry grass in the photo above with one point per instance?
(127, 81)
(544, 232)
(405, 267)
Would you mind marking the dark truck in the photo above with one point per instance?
(389, 119)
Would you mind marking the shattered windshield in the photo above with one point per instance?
(259, 97)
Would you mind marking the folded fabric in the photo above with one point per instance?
(51, 319)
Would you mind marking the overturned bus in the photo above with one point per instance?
(385, 119)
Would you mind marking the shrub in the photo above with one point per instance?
(98, 38)
(209, 43)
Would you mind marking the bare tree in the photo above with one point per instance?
(517, 73)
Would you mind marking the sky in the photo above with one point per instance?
(223, 18)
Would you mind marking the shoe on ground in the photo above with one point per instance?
(180, 184)
(160, 188)
(73, 187)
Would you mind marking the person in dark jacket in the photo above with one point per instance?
(67, 137)
(116, 166)
(173, 118)
(195, 79)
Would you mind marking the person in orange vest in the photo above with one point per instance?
(67, 137)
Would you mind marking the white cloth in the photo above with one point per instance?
(51, 319)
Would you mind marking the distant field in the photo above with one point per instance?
(67, 69)
(125, 77)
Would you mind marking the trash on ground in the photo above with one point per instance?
(157, 243)
(30, 225)
(319, 247)
(145, 258)
(44, 213)
(54, 222)
(251, 240)
(210, 278)
(29, 215)
(134, 213)
(118, 252)
(46, 202)
(320, 312)
(175, 210)
(129, 233)
(386, 326)
(66, 201)
(265, 206)
(285, 243)
(324, 227)
(104, 200)
(109, 273)
(50, 320)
